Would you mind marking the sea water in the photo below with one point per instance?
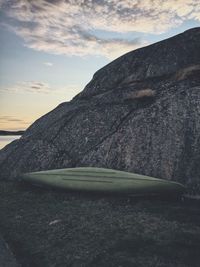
(4, 140)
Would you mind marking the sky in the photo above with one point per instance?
(50, 49)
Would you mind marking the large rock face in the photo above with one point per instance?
(140, 113)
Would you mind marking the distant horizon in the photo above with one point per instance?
(50, 49)
(12, 131)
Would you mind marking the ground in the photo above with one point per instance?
(46, 227)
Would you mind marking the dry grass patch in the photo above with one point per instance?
(144, 93)
(185, 72)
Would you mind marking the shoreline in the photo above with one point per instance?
(11, 133)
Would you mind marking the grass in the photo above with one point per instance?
(46, 227)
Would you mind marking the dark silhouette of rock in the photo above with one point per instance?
(140, 113)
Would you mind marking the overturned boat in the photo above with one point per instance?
(103, 180)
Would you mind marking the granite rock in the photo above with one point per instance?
(140, 113)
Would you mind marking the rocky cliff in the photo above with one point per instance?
(140, 113)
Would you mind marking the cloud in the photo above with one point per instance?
(35, 87)
(29, 86)
(9, 119)
(65, 26)
(48, 64)
(13, 123)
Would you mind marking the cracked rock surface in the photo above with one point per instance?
(140, 113)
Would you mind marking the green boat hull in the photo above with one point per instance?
(103, 180)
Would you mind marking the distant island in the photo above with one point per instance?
(11, 132)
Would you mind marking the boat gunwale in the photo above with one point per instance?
(150, 179)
